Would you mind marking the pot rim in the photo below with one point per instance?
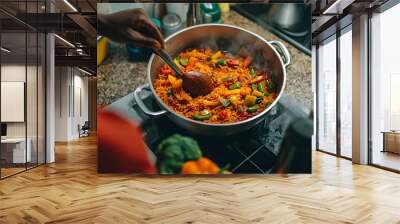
(170, 110)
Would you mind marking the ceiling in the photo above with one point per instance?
(20, 17)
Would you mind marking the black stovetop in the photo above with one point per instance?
(255, 151)
(258, 14)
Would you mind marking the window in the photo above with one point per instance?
(346, 93)
(327, 96)
(385, 89)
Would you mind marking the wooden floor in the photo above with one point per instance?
(70, 191)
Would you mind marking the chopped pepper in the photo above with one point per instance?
(217, 55)
(259, 100)
(257, 93)
(254, 86)
(202, 115)
(235, 85)
(250, 100)
(220, 63)
(252, 72)
(225, 102)
(260, 87)
(184, 61)
(252, 109)
(270, 85)
(232, 92)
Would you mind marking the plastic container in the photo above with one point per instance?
(171, 23)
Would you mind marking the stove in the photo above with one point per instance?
(290, 22)
(260, 150)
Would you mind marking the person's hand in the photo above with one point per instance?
(131, 26)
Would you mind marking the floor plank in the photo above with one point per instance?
(71, 191)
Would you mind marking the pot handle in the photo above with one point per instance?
(282, 50)
(142, 106)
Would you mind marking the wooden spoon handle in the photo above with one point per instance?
(167, 59)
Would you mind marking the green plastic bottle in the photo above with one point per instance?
(210, 13)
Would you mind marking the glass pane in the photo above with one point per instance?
(13, 87)
(327, 97)
(346, 94)
(31, 98)
(386, 89)
(41, 99)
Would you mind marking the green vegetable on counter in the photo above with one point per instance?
(235, 85)
(252, 109)
(175, 150)
(202, 115)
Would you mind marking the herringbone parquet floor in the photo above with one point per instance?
(71, 191)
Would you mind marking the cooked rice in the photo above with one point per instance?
(170, 89)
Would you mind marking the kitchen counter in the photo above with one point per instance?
(117, 76)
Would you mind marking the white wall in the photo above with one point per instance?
(70, 81)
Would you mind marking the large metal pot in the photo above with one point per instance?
(222, 37)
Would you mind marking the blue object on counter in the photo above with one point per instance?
(140, 53)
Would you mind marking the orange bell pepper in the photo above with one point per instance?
(201, 166)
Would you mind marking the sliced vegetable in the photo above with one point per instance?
(202, 115)
(266, 94)
(252, 109)
(225, 102)
(235, 85)
(232, 62)
(217, 55)
(227, 79)
(254, 86)
(175, 82)
(257, 79)
(211, 103)
(234, 100)
(259, 100)
(224, 114)
(220, 63)
(250, 100)
(270, 85)
(252, 72)
(260, 87)
(245, 90)
(247, 61)
(232, 92)
(257, 93)
(184, 61)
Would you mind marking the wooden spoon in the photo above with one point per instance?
(195, 83)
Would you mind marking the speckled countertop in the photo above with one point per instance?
(117, 76)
